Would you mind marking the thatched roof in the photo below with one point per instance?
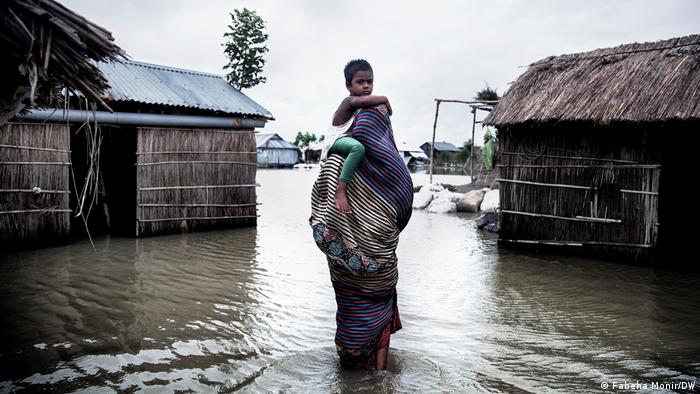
(634, 82)
(45, 45)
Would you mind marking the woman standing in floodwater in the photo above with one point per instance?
(361, 247)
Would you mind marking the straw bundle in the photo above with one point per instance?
(46, 45)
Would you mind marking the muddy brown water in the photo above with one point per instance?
(252, 309)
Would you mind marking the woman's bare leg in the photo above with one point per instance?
(382, 357)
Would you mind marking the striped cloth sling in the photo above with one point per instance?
(361, 247)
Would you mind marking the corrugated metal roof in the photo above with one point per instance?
(273, 141)
(154, 84)
(442, 147)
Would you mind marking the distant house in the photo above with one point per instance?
(412, 157)
(274, 151)
(595, 150)
(445, 152)
(176, 155)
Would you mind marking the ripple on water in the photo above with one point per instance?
(253, 309)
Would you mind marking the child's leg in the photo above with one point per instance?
(353, 151)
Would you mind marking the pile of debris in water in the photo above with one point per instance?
(439, 198)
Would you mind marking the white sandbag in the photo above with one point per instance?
(490, 202)
(422, 199)
(472, 200)
(442, 206)
(444, 202)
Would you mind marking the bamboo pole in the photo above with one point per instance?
(575, 219)
(160, 163)
(432, 146)
(490, 102)
(200, 218)
(201, 205)
(35, 211)
(32, 191)
(572, 157)
(193, 187)
(578, 166)
(192, 152)
(573, 186)
(543, 184)
(34, 148)
(575, 243)
(471, 153)
(34, 163)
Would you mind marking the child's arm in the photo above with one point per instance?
(351, 103)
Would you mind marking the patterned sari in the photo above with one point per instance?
(361, 247)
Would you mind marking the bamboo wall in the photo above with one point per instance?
(588, 188)
(32, 156)
(194, 179)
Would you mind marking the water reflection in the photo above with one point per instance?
(253, 310)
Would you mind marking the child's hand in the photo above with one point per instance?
(385, 109)
(388, 107)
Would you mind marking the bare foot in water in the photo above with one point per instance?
(341, 198)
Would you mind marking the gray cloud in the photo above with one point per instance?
(419, 50)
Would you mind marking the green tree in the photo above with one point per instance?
(466, 150)
(303, 141)
(489, 150)
(245, 44)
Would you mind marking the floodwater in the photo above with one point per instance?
(252, 309)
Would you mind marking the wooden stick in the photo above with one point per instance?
(471, 153)
(192, 152)
(598, 220)
(158, 163)
(32, 191)
(639, 192)
(572, 157)
(575, 243)
(48, 50)
(573, 186)
(35, 211)
(578, 166)
(543, 184)
(34, 163)
(432, 147)
(34, 148)
(200, 205)
(199, 218)
(467, 102)
(576, 219)
(193, 187)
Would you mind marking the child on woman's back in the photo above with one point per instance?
(359, 81)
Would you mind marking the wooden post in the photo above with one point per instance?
(471, 154)
(432, 146)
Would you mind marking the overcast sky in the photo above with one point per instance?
(420, 50)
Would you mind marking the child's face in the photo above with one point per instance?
(361, 84)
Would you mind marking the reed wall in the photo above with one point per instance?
(35, 164)
(194, 179)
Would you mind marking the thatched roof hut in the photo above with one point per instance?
(591, 144)
(46, 47)
(634, 82)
